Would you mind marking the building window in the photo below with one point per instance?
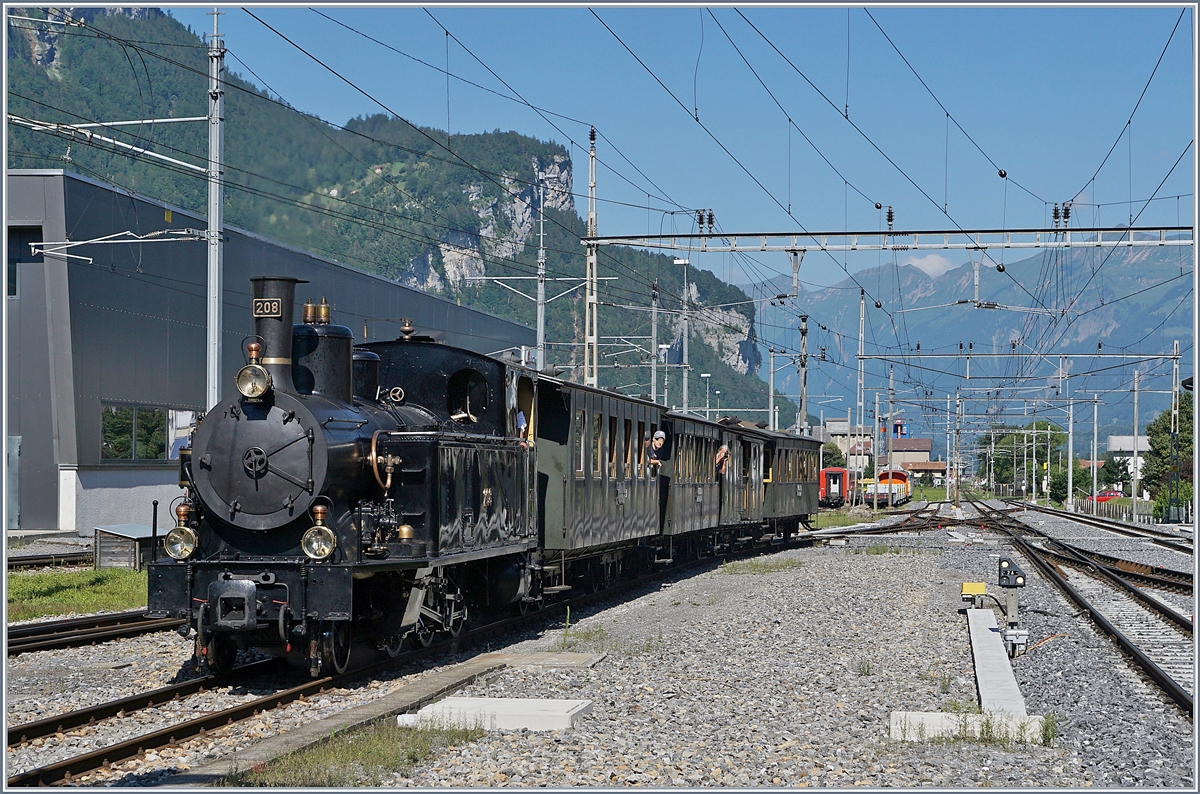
(143, 432)
(19, 253)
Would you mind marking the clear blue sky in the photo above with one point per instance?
(1044, 92)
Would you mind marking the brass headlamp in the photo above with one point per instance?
(253, 381)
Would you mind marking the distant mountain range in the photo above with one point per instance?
(1084, 300)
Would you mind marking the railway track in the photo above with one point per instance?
(70, 558)
(74, 632)
(1170, 540)
(65, 771)
(123, 707)
(1155, 634)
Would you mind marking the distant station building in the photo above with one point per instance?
(106, 346)
(1121, 448)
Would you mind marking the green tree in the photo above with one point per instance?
(1115, 470)
(1159, 462)
(1058, 486)
(833, 455)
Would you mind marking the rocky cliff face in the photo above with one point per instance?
(41, 41)
(504, 224)
(730, 334)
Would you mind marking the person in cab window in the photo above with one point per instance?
(653, 461)
(722, 461)
(522, 428)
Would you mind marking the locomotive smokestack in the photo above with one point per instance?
(273, 307)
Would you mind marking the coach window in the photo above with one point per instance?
(580, 426)
(630, 452)
(768, 467)
(612, 448)
(642, 440)
(596, 428)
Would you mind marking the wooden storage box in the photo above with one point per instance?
(122, 546)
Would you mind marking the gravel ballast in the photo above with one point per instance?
(781, 675)
(788, 678)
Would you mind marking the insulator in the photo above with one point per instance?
(710, 221)
(918, 347)
(1056, 213)
(891, 216)
(1066, 213)
(592, 136)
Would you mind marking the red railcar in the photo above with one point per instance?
(834, 483)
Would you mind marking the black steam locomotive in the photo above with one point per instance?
(368, 496)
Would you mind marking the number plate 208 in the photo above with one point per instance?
(267, 307)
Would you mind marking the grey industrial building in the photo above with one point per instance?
(106, 347)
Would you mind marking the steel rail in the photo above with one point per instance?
(89, 636)
(47, 627)
(36, 729)
(1169, 685)
(1151, 575)
(1167, 613)
(20, 561)
(1082, 558)
(1174, 542)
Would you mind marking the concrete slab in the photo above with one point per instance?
(503, 714)
(923, 726)
(998, 690)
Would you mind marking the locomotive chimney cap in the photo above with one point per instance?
(406, 327)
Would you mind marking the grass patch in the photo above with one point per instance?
(595, 639)
(876, 549)
(837, 518)
(864, 668)
(760, 566)
(45, 593)
(1049, 728)
(365, 757)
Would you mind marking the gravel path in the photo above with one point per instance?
(788, 678)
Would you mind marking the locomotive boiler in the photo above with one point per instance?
(310, 512)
